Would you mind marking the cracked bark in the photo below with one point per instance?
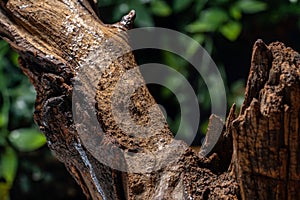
(256, 157)
(266, 133)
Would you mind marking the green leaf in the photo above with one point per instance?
(3, 119)
(175, 62)
(199, 38)
(4, 191)
(180, 5)
(4, 109)
(8, 165)
(235, 12)
(4, 47)
(14, 58)
(160, 8)
(210, 20)
(231, 30)
(250, 7)
(208, 45)
(2, 139)
(216, 16)
(193, 47)
(199, 27)
(27, 139)
(199, 5)
(203, 127)
(166, 93)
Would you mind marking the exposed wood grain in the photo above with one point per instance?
(266, 133)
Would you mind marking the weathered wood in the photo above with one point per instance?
(63, 44)
(266, 133)
(77, 65)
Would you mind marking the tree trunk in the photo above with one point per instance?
(266, 133)
(75, 63)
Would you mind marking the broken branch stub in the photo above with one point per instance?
(266, 133)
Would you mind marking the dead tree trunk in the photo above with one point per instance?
(266, 133)
(257, 156)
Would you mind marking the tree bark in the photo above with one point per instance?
(266, 133)
(256, 156)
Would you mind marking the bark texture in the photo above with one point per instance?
(266, 133)
(83, 71)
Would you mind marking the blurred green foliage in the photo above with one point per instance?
(17, 131)
(225, 28)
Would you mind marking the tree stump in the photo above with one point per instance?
(256, 157)
(266, 133)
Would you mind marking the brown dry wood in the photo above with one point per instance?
(57, 39)
(266, 133)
